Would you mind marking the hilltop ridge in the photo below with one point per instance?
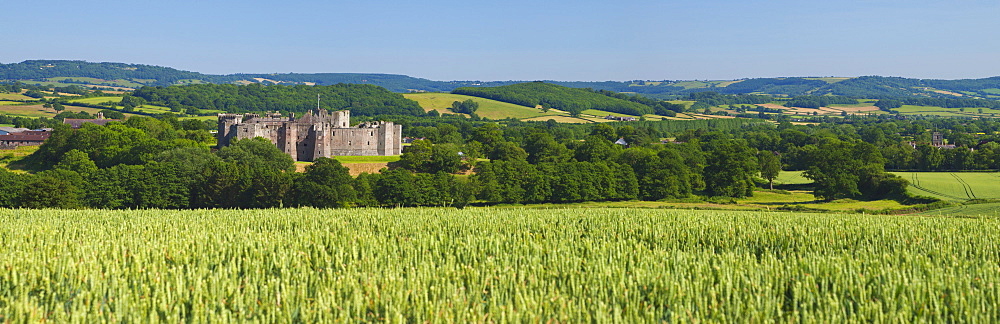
(133, 76)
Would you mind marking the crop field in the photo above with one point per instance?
(946, 112)
(991, 210)
(494, 265)
(954, 186)
(487, 108)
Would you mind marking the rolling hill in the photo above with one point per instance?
(131, 76)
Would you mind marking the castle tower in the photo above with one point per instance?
(937, 139)
(226, 127)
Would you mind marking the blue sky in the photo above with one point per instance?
(519, 40)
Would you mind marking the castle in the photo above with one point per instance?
(318, 133)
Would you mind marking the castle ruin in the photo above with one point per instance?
(318, 133)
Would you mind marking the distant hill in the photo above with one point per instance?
(573, 100)
(62, 73)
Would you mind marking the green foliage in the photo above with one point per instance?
(257, 153)
(424, 156)
(465, 107)
(550, 95)
(786, 86)
(361, 99)
(730, 169)
(819, 101)
(842, 169)
(326, 184)
(770, 166)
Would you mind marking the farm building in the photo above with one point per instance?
(316, 134)
(100, 120)
(620, 118)
(23, 138)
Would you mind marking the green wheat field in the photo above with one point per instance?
(494, 265)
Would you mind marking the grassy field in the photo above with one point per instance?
(946, 112)
(953, 186)
(494, 265)
(487, 108)
(97, 100)
(560, 119)
(39, 111)
(366, 159)
(15, 96)
(791, 178)
(991, 210)
(8, 157)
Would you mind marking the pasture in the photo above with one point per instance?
(494, 265)
(487, 108)
(15, 96)
(98, 100)
(954, 186)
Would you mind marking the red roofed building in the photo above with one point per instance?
(25, 138)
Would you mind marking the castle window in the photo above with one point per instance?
(333, 133)
(372, 134)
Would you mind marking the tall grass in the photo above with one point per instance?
(508, 265)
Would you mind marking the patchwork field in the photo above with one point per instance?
(603, 113)
(494, 265)
(954, 186)
(560, 119)
(487, 108)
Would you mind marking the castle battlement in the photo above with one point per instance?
(318, 133)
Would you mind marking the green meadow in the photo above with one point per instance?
(487, 108)
(954, 186)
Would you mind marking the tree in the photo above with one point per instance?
(770, 166)
(845, 169)
(542, 147)
(465, 107)
(53, 189)
(416, 156)
(326, 184)
(257, 153)
(730, 169)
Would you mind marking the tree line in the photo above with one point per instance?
(361, 99)
(572, 100)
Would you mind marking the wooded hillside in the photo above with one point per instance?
(549, 95)
(361, 99)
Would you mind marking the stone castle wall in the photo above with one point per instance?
(314, 135)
